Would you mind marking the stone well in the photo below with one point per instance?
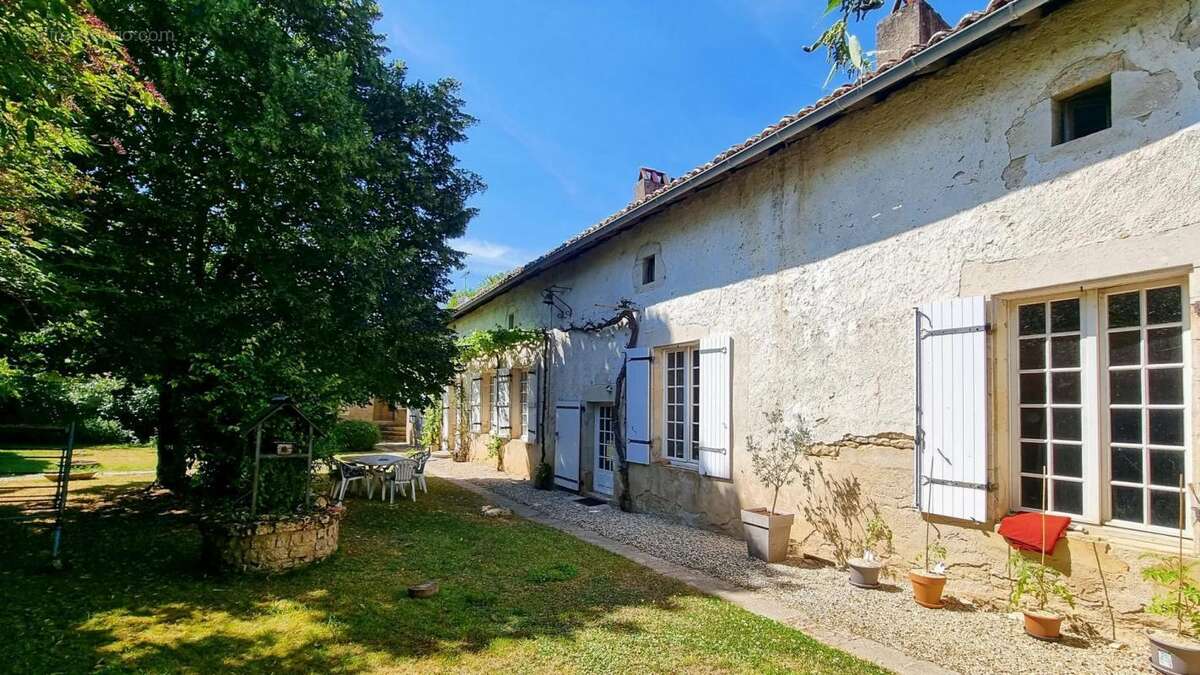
(271, 544)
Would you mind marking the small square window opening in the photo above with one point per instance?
(1083, 114)
(648, 269)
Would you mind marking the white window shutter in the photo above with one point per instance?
(447, 424)
(637, 405)
(716, 352)
(951, 463)
(502, 406)
(531, 407)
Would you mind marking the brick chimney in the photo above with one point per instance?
(912, 22)
(648, 182)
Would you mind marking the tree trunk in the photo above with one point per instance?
(172, 454)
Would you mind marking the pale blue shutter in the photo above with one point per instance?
(637, 405)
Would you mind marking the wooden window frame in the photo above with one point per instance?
(1095, 393)
(691, 447)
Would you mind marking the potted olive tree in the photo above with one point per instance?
(877, 539)
(776, 464)
(1038, 581)
(1177, 652)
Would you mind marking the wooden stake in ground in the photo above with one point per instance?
(1179, 583)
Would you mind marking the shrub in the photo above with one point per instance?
(354, 436)
(431, 429)
(543, 476)
(97, 431)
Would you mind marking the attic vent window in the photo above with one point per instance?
(512, 321)
(648, 269)
(1083, 114)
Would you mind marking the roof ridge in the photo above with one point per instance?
(784, 122)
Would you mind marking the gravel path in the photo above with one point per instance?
(962, 637)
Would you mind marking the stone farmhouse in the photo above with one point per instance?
(976, 263)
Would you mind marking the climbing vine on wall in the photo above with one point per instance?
(496, 343)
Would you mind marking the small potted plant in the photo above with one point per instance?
(775, 464)
(543, 476)
(1039, 581)
(864, 571)
(1177, 652)
(928, 576)
(495, 446)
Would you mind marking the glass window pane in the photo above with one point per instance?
(1125, 348)
(1031, 493)
(1064, 352)
(1033, 354)
(1127, 503)
(1127, 465)
(1164, 305)
(1126, 426)
(1166, 427)
(1033, 388)
(1124, 310)
(1033, 423)
(1064, 316)
(1125, 386)
(1068, 425)
(1165, 345)
(1164, 509)
(1032, 319)
(1033, 457)
(1065, 387)
(1068, 460)
(1166, 466)
(1166, 386)
(1068, 497)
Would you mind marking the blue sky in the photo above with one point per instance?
(573, 96)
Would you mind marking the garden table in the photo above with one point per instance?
(376, 465)
(374, 461)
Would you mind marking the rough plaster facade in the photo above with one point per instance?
(814, 258)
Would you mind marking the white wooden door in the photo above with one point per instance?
(602, 480)
(566, 444)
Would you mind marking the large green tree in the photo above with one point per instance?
(284, 229)
(59, 67)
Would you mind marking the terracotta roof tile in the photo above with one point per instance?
(788, 120)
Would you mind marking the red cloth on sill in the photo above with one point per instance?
(1023, 531)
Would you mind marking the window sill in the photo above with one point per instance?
(1125, 537)
(681, 465)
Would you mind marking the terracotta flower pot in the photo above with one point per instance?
(1170, 653)
(863, 573)
(767, 534)
(1043, 625)
(927, 588)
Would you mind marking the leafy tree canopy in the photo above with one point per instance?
(59, 65)
(462, 295)
(284, 230)
(843, 48)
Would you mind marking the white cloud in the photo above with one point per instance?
(489, 256)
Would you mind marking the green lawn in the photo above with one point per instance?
(515, 597)
(110, 457)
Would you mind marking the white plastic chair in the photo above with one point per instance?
(400, 474)
(347, 474)
(419, 474)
